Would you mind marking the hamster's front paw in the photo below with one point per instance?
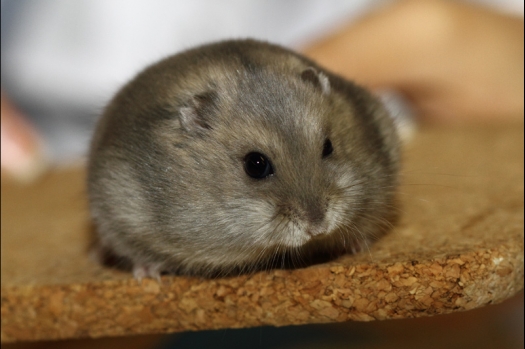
(359, 245)
(141, 271)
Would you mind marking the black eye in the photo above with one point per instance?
(327, 148)
(257, 166)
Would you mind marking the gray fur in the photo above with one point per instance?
(166, 181)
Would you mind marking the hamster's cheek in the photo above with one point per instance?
(250, 220)
(347, 181)
(335, 214)
(349, 188)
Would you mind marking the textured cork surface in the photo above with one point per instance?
(458, 246)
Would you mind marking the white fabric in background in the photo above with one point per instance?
(79, 52)
(62, 60)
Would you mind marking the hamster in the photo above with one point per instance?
(238, 156)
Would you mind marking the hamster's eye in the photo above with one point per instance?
(257, 165)
(327, 148)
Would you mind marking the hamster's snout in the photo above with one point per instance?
(315, 220)
(315, 214)
(306, 220)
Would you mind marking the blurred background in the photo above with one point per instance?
(61, 62)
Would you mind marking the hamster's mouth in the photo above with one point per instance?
(318, 230)
(319, 249)
(317, 233)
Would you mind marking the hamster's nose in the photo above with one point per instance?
(315, 218)
(315, 215)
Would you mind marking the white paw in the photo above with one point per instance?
(146, 271)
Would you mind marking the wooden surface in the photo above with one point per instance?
(458, 246)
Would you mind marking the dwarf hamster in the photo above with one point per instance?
(228, 157)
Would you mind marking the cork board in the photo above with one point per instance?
(457, 246)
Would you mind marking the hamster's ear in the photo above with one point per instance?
(195, 115)
(319, 79)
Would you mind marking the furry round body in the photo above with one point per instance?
(237, 156)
